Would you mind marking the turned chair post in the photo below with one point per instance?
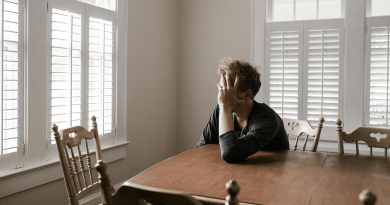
(317, 138)
(367, 197)
(232, 188)
(340, 137)
(70, 185)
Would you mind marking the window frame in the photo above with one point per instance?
(36, 163)
(270, 15)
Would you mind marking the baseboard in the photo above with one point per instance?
(94, 198)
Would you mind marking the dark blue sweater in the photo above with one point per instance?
(264, 130)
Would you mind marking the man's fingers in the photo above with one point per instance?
(223, 80)
(228, 81)
(219, 86)
(236, 81)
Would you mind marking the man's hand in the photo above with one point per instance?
(227, 95)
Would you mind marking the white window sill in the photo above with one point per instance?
(21, 179)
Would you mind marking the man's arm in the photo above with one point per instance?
(227, 97)
(210, 132)
(234, 149)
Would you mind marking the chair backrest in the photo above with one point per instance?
(299, 127)
(75, 179)
(363, 134)
(131, 193)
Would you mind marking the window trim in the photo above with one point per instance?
(35, 107)
(270, 16)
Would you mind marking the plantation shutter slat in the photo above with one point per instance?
(379, 76)
(66, 102)
(284, 71)
(100, 96)
(323, 75)
(12, 114)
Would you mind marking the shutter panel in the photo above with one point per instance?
(100, 98)
(11, 68)
(323, 75)
(284, 70)
(379, 76)
(11, 137)
(66, 69)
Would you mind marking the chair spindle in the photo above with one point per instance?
(76, 169)
(370, 151)
(89, 162)
(82, 166)
(357, 148)
(304, 144)
(296, 143)
(385, 152)
(71, 170)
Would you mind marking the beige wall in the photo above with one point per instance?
(152, 95)
(208, 31)
(173, 51)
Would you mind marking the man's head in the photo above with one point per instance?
(249, 77)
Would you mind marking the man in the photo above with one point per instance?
(239, 124)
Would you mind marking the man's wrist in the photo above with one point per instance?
(225, 107)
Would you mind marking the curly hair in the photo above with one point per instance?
(248, 75)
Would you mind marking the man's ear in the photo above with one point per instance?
(248, 94)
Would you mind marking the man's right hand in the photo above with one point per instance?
(227, 95)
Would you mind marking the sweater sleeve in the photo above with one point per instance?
(211, 132)
(261, 132)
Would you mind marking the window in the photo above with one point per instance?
(12, 135)
(379, 7)
(291, 10)
(304, 68)
(303, 60)
(107, 4)
(82, 68)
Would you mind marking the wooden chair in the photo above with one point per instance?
(367, 197)
(75, 187)
(131, 193)
(299, 127)
(363, 134)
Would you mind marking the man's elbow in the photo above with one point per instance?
(229, 157)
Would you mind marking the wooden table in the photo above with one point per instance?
(280, 177)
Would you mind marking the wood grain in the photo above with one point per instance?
(281, 177)
(343, 178)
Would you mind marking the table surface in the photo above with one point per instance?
(278, 177)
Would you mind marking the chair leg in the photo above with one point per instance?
(296, 143)
(357, 149)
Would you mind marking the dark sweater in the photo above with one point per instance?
(264, 130)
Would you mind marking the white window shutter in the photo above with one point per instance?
(323, 60)
(378, 65)
(11, 137)
(101, 70)
(66, 69)
(284, 51)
